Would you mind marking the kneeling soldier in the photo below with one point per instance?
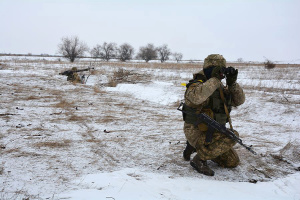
(206, 94)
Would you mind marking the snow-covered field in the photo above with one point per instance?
(72, 141)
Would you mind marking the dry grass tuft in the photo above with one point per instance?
(98, 90)
(54, 144)
(14, 150)
(125, 76)
(93, 72)
(93, 140)
(158, 65)
(112, 82)
(121, 74)
(32, 98)
(27, 154)
(77, 118)
(55, 92)
(107, 119)
(64, 104)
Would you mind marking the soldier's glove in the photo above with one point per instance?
(216, 72)
(231, 77)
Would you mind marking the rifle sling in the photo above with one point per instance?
(225, 107)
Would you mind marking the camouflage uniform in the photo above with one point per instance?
(74, 77)
(202, 96)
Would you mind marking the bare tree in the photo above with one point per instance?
(177, 56)
(71, 48)
(108, 51)
(240, 60)
(125, 52)
(95, 52)
(147, 53)
(163, 53)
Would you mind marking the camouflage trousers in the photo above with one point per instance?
(219, 150)
(75, 78)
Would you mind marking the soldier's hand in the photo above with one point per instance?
(216, 72)
(231, 77)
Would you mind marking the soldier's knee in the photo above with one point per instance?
(233, 159)
(230, 159)
(233, 163)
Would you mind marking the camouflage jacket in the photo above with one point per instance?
(74, 77)
(197, 95)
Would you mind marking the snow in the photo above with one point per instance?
(53, 143)
(156, 92)
(136, 184)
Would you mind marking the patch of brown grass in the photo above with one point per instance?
(14, 150)
(98, 90)
(93, 72)
(53, 144)
(64, 104)
(121, 74)
(92, 140)
(32, 98)
(106, 119)
(77, 118)
(55, 92)
(39, 129)
(112, 82)
(158, 65)
(27, 154)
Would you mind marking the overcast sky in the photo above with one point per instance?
(248, 29)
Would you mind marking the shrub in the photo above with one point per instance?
(125, 52)
(147, 53)
(269, 64)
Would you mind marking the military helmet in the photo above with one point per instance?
(74, 68)
(214, 60)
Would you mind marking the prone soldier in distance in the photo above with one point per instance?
(73, 75)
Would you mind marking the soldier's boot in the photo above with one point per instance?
(189, 150)
(201, 166)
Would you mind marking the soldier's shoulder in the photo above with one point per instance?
(194, 83)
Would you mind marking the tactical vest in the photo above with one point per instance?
(217, 106)
(214, 108)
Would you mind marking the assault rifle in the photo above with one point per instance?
(212, 124)
(69, 72)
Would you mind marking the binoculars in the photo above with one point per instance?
(227, 70)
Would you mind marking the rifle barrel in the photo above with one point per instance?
(70, 71)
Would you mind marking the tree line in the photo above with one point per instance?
(72, 48)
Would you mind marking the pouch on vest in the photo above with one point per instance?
(203, 127)
(221, 118)
(189, 118)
